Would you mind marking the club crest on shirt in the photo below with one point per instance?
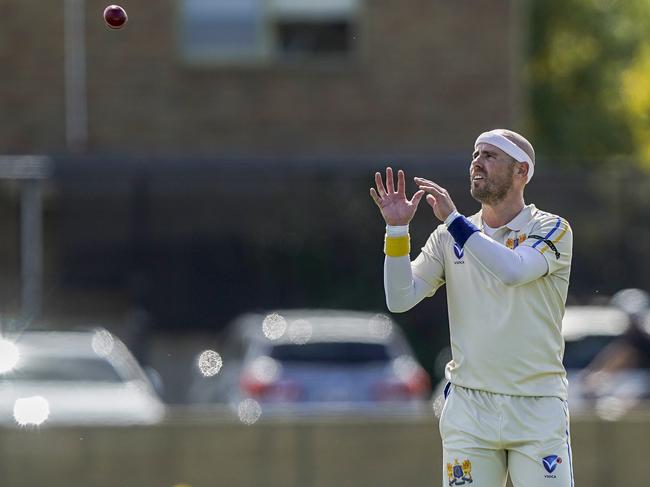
(512, 243)
(550, 463)
(460, 473)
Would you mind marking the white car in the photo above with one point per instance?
(73, 378)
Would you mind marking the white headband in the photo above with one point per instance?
(507, 146)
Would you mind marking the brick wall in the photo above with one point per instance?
(428, 76)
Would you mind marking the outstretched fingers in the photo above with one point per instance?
(390, 188)
(401, 183)
(380, 185)
(375, 197)
(387, 189)
(382, 191)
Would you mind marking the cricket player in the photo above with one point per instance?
(507, 273)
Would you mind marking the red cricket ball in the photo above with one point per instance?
(115, 16)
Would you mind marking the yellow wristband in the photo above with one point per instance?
(397, 246)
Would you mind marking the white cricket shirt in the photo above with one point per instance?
(504, 339)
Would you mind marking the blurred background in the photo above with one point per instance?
(209, 165)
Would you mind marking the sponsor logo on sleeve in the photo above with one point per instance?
(459, 252)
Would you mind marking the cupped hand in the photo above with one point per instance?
(437, 197)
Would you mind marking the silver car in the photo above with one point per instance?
(317, 361)
(72, 378)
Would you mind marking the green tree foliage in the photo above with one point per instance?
(636, 98)
(589, 79)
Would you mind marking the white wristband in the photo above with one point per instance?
(397, 230)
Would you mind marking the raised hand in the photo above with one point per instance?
(394, 207)
(438, 198)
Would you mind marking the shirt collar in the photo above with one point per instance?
(514, 225)
(520, 221)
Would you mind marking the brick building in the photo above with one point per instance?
(198, 103)
(264, 77)
(216, 155)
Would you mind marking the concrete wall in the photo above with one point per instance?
(205, 451)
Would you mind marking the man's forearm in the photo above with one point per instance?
(512, 267)
(403, 289)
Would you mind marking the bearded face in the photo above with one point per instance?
(490, 185)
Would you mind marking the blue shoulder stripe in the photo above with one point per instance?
(548, 235)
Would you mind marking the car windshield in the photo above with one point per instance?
(335, 352)
(579, 353)
(63, 369)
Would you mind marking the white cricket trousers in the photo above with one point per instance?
(487, 436)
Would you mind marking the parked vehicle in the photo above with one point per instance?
(607, 358)
(72, 378)
(589, 333)
(317, 361)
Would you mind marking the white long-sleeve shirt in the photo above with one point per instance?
(506, 296)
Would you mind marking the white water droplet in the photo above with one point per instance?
(300, 331)
(274, 326)
(209, 363)
(249, 411)
(380, 326)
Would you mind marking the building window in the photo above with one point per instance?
(223, 30)
(268, 31)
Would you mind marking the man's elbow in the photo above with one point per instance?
(512, 279)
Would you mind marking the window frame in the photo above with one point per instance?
(269, 53)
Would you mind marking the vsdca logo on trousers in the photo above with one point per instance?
(550, 464)
(460, 474)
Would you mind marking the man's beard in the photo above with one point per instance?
(493, 191)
